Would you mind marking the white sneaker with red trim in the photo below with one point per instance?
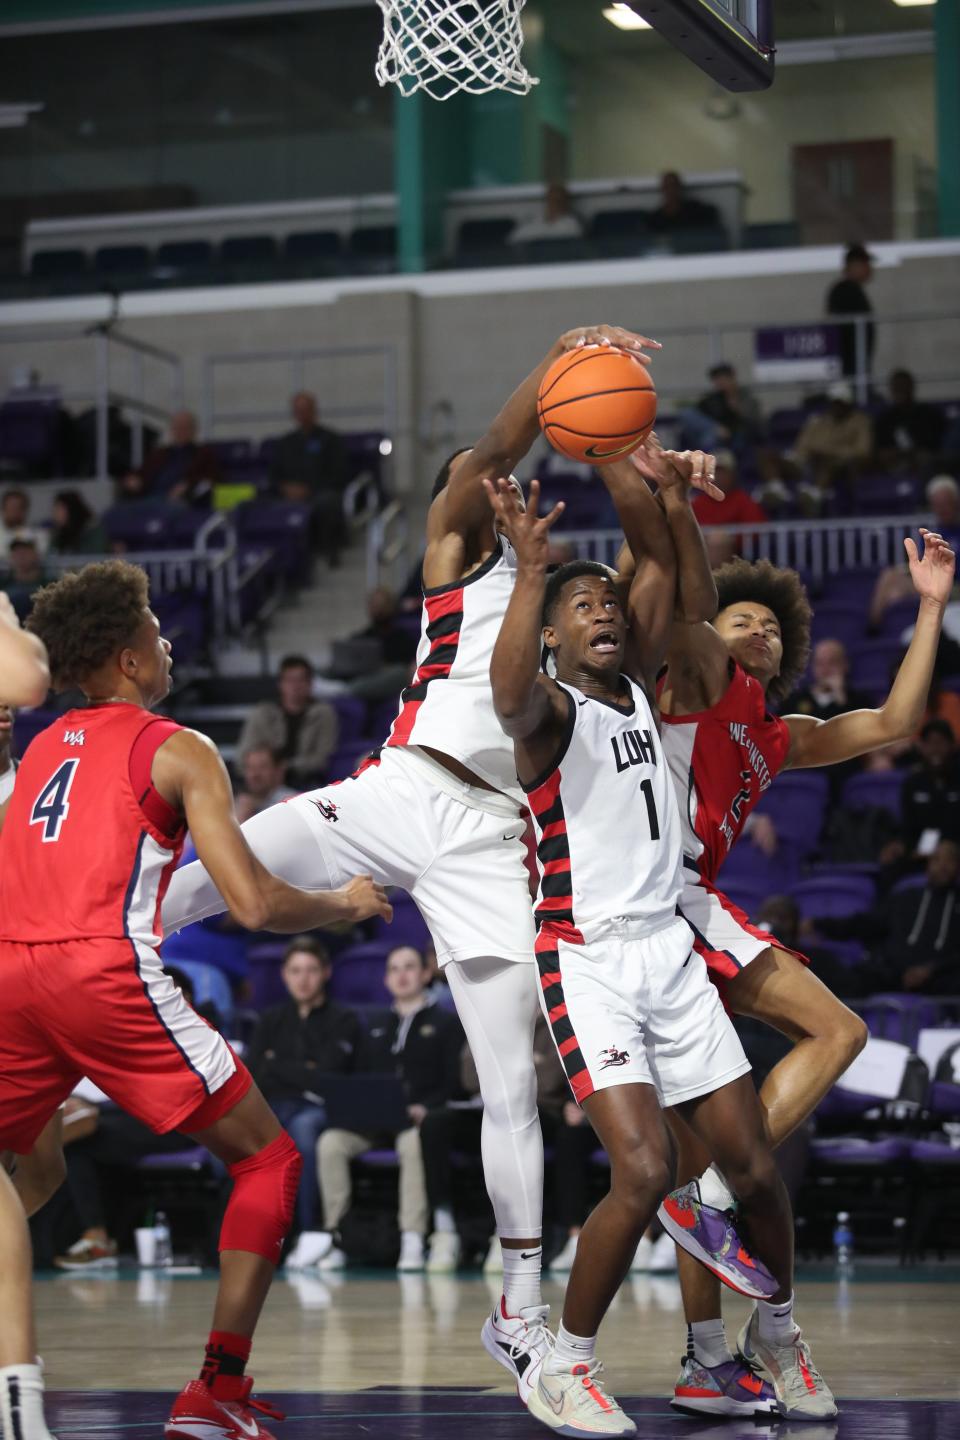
(198, 1415)
(520, 1343)
(574, 1402)
(802, 1393)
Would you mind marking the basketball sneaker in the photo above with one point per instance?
(198, 1414)
(520, 1343)
(574, 1402)
(443, 1255)
(88, 1255)
(493, 1264)
(709, 1235)
(802, 1393)
(728, 1389)
(561, 1264)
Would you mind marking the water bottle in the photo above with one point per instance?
(163, 1254)
(843, 1241)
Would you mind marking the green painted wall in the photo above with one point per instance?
(947, 62)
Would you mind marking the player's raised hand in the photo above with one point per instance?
(933, 575)
(363, 898)
(677, 469)
(526, 529)
(613, 335)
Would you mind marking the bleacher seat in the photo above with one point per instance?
(771, 235)
(748, 865)
(407, 927)
(309, 250)
(348, 755)
(873, 664)
(900, 1017)
(357, 977)
(253, 250)
(184, 255)
(620, 232)
(796, 805)
(833, 895)
(880, 788)
(373, 249)
(264, 959)
(30, 436)
(210, 985)
(121, 260)
(784, 426)
(153, 525)
(57, 264)
(281, 525)
(484, 242)
(846, 623)
(898, 618)
(747, 894)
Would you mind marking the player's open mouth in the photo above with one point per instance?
(606, 642)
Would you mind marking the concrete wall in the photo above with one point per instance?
(462, 340)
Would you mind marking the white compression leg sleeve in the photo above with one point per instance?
(498, 1005)
(281, 840)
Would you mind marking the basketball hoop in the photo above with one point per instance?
(444, 47)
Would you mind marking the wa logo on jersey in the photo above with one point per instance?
(614, 1058)
(74, 737)
(328, 810)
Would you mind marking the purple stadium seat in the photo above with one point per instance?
(407, 927)
(856, 1150)
(834, 895)
(266, 985)
(153, 525)
(846, 623)
(30, 435)
(934, 1150)
(945, 1100)
(208, 983)
(884, 494)
(230, 452)
(880, 788)
(351, 715)
(193, 1157)
(357, 977)
(784, 426)
(898, 618)
(849, 587)
(796, 805)
(747, 895)
(747, 865)
(872, 665)
(900, 1017)
(282, 525)
(346, 758)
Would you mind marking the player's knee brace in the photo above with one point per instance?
(260, 1210)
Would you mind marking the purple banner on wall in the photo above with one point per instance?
(796, 352)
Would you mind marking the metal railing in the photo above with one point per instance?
(137, 400)
(817, 548)
(387, 537)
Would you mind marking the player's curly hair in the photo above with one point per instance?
(783, 592)
(88, 615)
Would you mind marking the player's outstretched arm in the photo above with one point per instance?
(189, 774)
(24, 672)
(462, 507)
(525, 700)
(827, 742)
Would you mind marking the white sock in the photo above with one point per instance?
(571, 1350)
(715, 1191)
(777, 1325)
(521, 1278)
(707, 1342)
(443, 1221)
(21, 1401)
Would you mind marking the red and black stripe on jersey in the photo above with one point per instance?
(551, 982)
(555, 902)
(444, 621)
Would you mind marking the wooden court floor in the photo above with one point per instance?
(408, 1344)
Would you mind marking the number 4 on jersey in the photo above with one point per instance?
(51, 806)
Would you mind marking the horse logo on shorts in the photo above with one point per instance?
(614, 1057)
(327, 809)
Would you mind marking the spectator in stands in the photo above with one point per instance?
(733, 409)
(309, 466)
(916, 932)
(736, 507)
(420, 1045)
(26, 575)
(930, 799)
(183, 469)
(834, 444)
(444, 1129)
(74, 529)
(264, 782)
(943, 498)
(847, 296)
(780, 914)
(894, 584)
(558, 221)
(828, 693)
(397, 643)
(907, 432)
(300, 730)
(15, 522)
(293, 1045)
(679, 211)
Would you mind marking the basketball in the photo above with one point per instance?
(596, 404)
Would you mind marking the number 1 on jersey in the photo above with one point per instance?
(647, 787)
(51, 806)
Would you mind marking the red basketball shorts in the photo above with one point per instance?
(105, 1009)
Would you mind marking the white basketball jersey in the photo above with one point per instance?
(606, 818)
(449, 704)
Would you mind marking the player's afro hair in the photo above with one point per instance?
(783, 592)
(88, 615)
(564, 574)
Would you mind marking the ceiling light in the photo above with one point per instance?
(626, 18)
(914, 2)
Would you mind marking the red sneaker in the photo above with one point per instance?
(198, 1414)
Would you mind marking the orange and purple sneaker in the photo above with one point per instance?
(728, 1389)
(709, 1235)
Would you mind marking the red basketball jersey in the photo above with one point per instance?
(721, 761)
(88, 846)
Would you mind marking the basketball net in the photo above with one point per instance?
(446, 46)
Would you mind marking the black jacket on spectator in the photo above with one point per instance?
(315, 458)
(931, 801)
(918, 926)
(848, 297)
(921, 425)
(423, 1049)
(286, 1053)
